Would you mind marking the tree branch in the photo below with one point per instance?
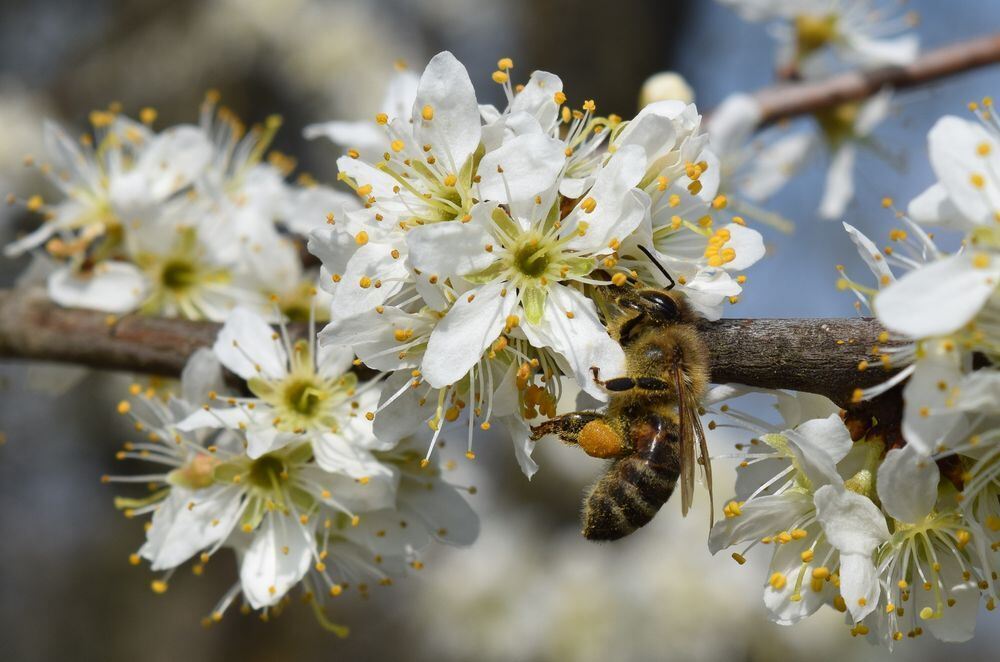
(814, 355)
(791, 99)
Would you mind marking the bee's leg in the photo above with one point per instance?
(619, 384)
(594, 433)
(566, 427)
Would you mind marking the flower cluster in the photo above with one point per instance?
(291, 479)
(899, 527)
(468, 272)
(188, 221)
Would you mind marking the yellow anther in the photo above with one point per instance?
(589, 105)
(739, 558)
(500, 77)
(505, 63)
(559, 98)
(159, 586)
(365, 282)
(983, 149)
(977, 180)
(588, 205)
(361, 238)
(887, 202)
(364, 191)
(777, 581)
(124, 407)
(619, 279)
(427, 113)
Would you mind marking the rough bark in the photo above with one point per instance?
(815, 355)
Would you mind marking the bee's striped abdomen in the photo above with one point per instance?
(626, 498)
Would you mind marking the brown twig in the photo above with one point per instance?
(790, 99)
(815, 355)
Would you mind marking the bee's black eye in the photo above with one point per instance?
(662, 306)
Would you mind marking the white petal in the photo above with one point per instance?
(938, 298)
(366, 137)
(839, 189)
(233, 418)
(733, 122)
(455, 129)
(278, 556)
(188, 521)
(351, 494)
(248, 347)
(581, 340)
(934, 207)
(759, 517)
(173, 160)
(530, 166)
(796, 407)
(871, 255)
(520, 437)
(748, 244)
(442, 509)
(538, 98)
(795, 601)
(931, 395)
(202, 375)
(818, 446)
(953, 145)
(446, 249)
(618, 211)
(309, 207)
(336, 455)
(466, 331)
(772, 167)
(263, 439)
(370, 263)
(872, 112)
(859, 584)
(851, 522)
(907, 484)
(873, 52)
(111, 287)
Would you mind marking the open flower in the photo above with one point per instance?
(299, 393)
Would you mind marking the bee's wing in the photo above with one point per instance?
(706, 462)
(686, 433)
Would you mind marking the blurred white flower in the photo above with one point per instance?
(665, 86)
(816, 37)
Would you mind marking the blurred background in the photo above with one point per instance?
(530, 588)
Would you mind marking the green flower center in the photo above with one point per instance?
(178, 275)
(814, 32)
(531, 260)
(304, 397)
(265, 471)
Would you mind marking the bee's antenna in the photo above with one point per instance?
(658, 266)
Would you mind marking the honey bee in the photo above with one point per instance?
(651, 425)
